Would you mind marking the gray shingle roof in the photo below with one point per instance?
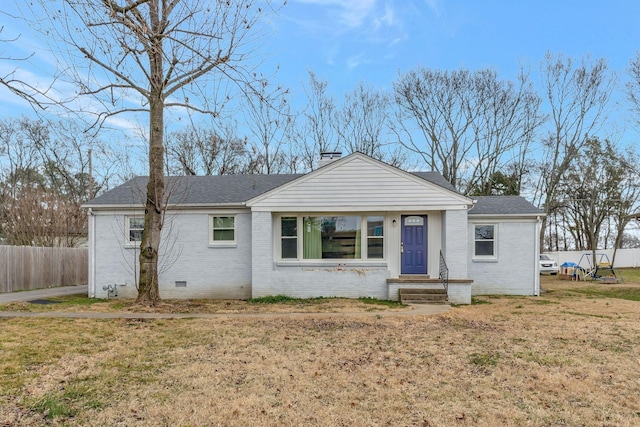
(190, 190)
(503, 205)
(435, 178)
(214, 190)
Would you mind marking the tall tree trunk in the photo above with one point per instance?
(148, 289)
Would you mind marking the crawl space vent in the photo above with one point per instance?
(181, 283)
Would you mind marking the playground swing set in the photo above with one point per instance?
(586, 270)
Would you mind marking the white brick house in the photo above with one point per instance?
(356, 227)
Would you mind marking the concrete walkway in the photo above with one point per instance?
(418, 309)
(6, 298)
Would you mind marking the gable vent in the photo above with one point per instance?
(327, 157)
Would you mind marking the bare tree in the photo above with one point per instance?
(504, 129)
(17, 86)
(149, 55)
(439, 106)
(600, 188)
(362, 123)
(629, 194)
(19, 160)
(50, 163)
(42, 217)
(315, 132)
(577, 94)
(467, 125)
(591, 187)
(633, 86)
(271, 123)
(205, 151)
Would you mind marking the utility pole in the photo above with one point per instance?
(90, 176)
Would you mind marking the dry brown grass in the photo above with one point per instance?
(565, 358)
(312, 305)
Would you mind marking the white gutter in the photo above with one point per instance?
(536, 257)
(172, 206)
(92, 254)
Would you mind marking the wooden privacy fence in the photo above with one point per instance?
(23, 268)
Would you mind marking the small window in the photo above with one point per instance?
(223, 229)
(135, 226)
(484, 240)
(289, 236)
(375, 237)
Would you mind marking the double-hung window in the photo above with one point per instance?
(134, 226)
(222, 229)
(375, 237)
(337, 237)
(484, 241)
(289, 237)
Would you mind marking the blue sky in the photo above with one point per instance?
(347, 41)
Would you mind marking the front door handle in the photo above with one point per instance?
(401, 247)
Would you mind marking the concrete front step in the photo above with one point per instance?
(422, 296)
(410, 301)
(422, 291)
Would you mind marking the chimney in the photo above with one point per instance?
(327, 157)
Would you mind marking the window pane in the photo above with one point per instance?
(135, 235)
(289, 226)
(375, 248)
(223, 222)
(484, 247)
(375, 226)
(223, 235)
(290, 248)
(332, 237)
(484, 232)
(136, 223)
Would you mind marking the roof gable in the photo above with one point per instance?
(358, 182)
(353, 182)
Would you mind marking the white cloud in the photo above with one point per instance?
(388, 19)
(434, 5)
(356, 60)
(352, 13)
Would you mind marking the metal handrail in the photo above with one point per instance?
(444, 274)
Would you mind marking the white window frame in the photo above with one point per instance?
(127, 230)
(494, 256)
(374, 237)
(280, 237)
(223, 243)
(364, 238)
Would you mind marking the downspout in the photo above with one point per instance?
(536, 257)
(92, 254)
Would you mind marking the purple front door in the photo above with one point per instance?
(414, 245)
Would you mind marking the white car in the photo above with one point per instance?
(548, 265)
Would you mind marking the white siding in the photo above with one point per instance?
(210, 272)
(358, 184)
(514, 272)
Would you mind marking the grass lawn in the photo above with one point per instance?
(568, 357)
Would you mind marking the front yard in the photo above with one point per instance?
(568, 357)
